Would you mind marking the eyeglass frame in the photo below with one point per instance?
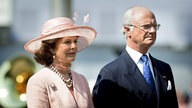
(146, 27)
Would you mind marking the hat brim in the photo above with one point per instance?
(86, 36)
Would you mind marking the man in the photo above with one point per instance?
(122, 83)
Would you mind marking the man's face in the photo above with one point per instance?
(144, 29)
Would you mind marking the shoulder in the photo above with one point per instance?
(41, 76)
(78, 75)
(110, 70)
(163, 67)
(41, 73)
(79, 79)
(159, 62)
(121, 61)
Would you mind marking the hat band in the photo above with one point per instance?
(57, 28)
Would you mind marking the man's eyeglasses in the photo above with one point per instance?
(147, 27)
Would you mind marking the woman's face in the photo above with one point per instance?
(66, 49)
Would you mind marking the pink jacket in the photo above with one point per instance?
(45, 89)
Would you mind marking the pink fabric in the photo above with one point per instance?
(62, 27)
(45, 89)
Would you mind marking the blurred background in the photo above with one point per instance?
(21, 21)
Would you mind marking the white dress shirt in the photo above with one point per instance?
(135, 55)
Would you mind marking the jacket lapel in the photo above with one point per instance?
(135, 77)
(80, 97)
(160, 80)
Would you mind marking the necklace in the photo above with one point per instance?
(67, 77)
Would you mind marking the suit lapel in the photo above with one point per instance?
(135, 77)
(160, 80)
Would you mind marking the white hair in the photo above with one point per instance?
(127, 19)
(129, 16)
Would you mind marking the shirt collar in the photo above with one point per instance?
(135, 55)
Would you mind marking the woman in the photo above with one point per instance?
(56, 85)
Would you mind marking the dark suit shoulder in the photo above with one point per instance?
(118, 63)
(117, 67)
(162, 67)
(159, 62)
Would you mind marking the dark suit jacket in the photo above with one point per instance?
(120, 84)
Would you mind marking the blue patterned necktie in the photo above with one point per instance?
(147, 73)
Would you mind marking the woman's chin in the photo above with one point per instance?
(71, 59)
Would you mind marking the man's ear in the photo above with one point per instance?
(127, 30)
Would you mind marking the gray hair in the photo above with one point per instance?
(127, 19)
(129, 16)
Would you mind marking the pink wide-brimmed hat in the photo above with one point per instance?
(62, 27)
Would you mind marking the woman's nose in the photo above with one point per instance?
(73, 45)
